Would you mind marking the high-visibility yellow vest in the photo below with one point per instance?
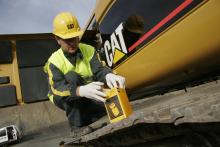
(82, 66)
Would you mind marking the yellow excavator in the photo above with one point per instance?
(169, 53)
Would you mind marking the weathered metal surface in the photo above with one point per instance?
(200, 104)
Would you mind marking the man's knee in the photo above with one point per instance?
(59, 103)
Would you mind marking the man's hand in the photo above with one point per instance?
(92, 91)
(116, 81)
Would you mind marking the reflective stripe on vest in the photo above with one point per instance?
(50, 96)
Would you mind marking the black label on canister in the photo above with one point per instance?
(113, 107)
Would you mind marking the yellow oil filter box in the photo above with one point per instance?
(117, 104)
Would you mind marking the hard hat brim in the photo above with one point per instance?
(69, 35)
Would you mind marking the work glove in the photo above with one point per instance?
(92, 91)
(116, 81)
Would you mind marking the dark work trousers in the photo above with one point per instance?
(82, 111)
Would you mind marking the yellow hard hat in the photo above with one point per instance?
(66, 26)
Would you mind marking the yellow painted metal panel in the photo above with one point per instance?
(15, 75)
(192, 39)
(101, 8)
(11, 70)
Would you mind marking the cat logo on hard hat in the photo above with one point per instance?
(70, 26)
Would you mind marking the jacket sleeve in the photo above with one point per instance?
(59, 84)
(99, 70)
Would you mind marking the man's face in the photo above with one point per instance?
(68, 45)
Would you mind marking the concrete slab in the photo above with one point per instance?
(32, 117)
(48, 137)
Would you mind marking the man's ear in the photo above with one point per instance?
(57, 39)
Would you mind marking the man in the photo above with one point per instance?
(76, 75)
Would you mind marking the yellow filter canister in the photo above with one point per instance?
(117, 104)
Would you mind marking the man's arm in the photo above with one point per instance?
(61, 86)
(71, 86)
(104, 74)
(98, 69)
